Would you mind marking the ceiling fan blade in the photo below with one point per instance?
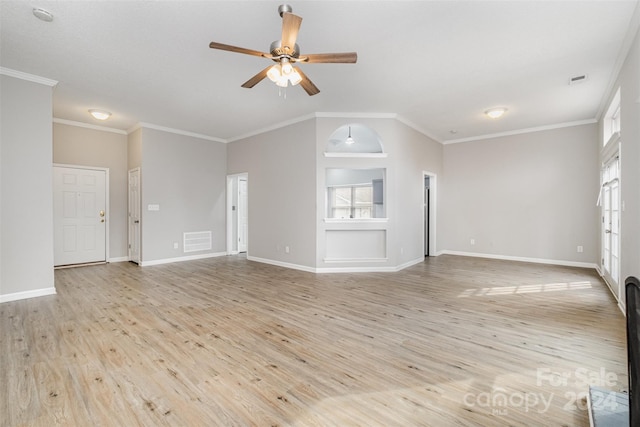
(335, 58)
(257, 78)
(290, 27)
(307, 84)
(214, 45)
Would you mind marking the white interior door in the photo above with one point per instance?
(243, 217)
(79, 215)
(134, 215)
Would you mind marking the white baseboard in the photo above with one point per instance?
(409, 263)
(282, 264)
(616, 297)
(355, 270)
(365, 269)
(118, 259)
(522, 259)
(27, 294)
(180, 259)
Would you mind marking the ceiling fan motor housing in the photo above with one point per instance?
(277, 50)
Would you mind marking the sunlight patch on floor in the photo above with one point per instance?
(525, 289)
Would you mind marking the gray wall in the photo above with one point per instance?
(629, 84)
(134, 150)
(529, 196)
(282, 188)
(186, 176)
(88, 147)
(414, 155)
(26, 211)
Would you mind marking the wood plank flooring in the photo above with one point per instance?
(452, 341)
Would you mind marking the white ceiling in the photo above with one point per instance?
(438, 65)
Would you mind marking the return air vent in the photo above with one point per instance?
(197, 241)
(577, 79)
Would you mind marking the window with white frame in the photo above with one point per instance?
(353, 201)
(611, 122)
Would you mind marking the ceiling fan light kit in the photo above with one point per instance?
(285, 53)
(282, 74)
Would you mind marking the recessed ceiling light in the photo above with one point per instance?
(496, 113)
(42, 14)
(100, 114)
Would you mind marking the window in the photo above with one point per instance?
(351, 201)
(615, 120)
(611, 122)
(355, 193)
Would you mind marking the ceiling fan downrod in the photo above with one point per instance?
(284, 8)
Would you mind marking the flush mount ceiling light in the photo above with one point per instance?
(100, 114)
(496, 113)
(42, 14)
(349, 140)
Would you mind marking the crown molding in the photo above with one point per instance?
(417, 128)
(521, 131)
(143, 125)
(356, 115)
(29, 77)
(88, 126)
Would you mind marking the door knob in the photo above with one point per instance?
(136, 221)
(102, 220)
(607, 231)
(102, 213)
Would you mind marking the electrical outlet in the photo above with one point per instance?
(473, 241)
(580, 249)
(175, 245)
(286, 249)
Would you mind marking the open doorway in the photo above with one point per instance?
(237, 213)
(429, 213)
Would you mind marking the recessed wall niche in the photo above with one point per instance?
(354, 139)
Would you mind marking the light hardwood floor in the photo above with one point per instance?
(452, 341)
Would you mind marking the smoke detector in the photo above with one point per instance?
(43, 15)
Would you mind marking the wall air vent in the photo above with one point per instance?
(197, 241)
(577, 79)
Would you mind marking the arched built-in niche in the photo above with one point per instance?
(354, 139)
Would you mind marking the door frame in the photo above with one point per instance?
(107, 196)
(139, 261)
(432, 203)
(231, 248)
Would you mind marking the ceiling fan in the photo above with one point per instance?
(285, 53)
